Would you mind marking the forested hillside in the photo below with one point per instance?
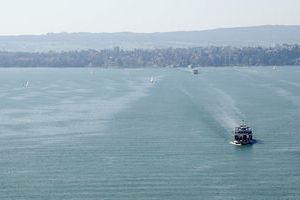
(168, 57)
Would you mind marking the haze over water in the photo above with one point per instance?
(111, 134)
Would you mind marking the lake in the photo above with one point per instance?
(111, 134)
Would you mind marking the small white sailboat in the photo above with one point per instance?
(151, 79)
(27, 84)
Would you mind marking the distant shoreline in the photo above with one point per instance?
(215, 56)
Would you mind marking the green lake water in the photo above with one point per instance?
(110, 134)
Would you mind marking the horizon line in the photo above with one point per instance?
(171, 31)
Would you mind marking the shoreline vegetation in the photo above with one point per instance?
(284, 54)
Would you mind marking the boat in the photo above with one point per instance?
(190, 66)
(151, 79)
(242, 134)
(195, 71)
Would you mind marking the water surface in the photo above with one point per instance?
(111, 134)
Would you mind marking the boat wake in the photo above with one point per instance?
(219, 106)
(288, 95)
(252, 143)
(233, 143)
(225, 111)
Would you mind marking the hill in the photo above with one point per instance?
(239, 37)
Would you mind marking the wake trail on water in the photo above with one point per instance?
(220, 106)
(278, 87)
(109, 108)
(225, 111)
(295, 84)
(295, 100)
(75, 118)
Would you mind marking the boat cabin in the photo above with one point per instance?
(242, 134)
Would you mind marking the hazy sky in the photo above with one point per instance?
(43, 16)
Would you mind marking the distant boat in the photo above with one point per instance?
(195, 71)
(274, 67)
(27, 84)
(151, 79)
(190, 66)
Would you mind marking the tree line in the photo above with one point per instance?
(168, 57)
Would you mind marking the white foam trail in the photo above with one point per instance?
(292, 83)
(138, 91)
(107, 108)
(235, 144)
(288, 95)
(225, 111)
(87, 119)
